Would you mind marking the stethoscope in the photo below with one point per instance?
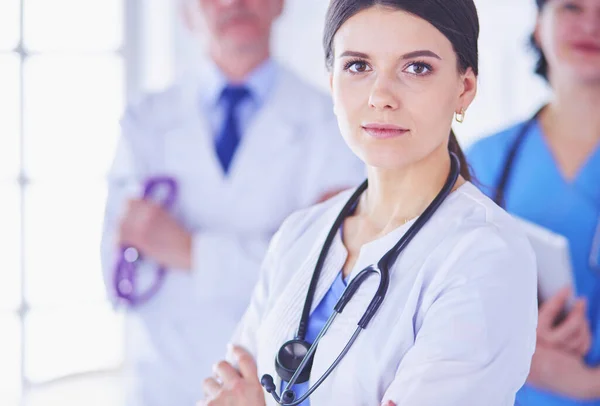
(294, 360)
(509, 163)
(162, 190)
(507, 169)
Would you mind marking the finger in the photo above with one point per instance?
(134, 204)
(140, 207)
(587, 342)
(211, 388)
(574, 345)
(126, 233)
(583, 342)
(550, 309)
(388, 403)
(570, 327)
(228, 374)
(583, 347)
(579, 345)
(134, 211)
(583, 334)
(246, 363)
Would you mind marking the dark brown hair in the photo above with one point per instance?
(456, 19)
(541, 65)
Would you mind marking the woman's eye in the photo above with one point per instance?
(570, 6)
(418, 69)
(358, 67)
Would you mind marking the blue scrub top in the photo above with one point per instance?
(316, 322)
(538, 192)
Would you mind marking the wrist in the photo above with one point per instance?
(184, 256)
(592, 383)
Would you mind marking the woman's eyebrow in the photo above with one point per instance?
(409, 55)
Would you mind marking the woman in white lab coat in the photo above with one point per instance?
(457, 324)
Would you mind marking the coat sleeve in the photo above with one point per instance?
(123, 183)
(476, 340)
(246, 332)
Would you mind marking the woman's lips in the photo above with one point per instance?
(587, 47)
(383, 131)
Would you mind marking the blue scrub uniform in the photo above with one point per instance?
(538, 192)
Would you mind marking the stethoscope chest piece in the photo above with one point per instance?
(290, 357)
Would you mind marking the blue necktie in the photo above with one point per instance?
(229, 136)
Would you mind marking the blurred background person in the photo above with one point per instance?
(246, 143)
(547, 170)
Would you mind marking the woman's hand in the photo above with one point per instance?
(572, 334)
(231, 387)
(560, 372)
(557, 364)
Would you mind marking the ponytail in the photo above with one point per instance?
(454, 147)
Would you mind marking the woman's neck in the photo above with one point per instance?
(396, 196)
(574, 113)
(571, 125)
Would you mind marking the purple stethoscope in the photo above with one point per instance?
(163, 190)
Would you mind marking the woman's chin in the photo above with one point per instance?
(386, 161)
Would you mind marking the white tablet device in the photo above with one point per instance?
(553, 259)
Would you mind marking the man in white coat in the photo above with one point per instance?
(248, 143)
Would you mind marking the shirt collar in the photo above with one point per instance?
(259, 82)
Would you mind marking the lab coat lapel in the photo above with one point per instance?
(189, 146)
(346, 323)
(269, 140)
(287, 309)
(344, 326)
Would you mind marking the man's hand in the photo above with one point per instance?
(156, 234)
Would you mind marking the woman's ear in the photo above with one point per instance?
(536, 31)
(278, 7)
(331, 92)
(468, 89)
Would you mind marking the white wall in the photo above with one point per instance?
(508, 90)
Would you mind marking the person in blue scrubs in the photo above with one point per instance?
(547, 170)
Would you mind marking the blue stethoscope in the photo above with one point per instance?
(507, 169)
(294, 360)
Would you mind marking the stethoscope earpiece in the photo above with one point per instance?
(267, 382)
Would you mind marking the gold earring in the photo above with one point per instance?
(460, 117)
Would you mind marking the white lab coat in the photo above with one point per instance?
(290, 155)
(457, 327)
